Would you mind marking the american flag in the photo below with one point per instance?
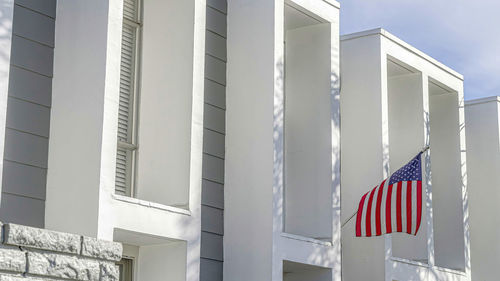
(393, 206)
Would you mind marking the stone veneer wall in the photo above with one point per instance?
(28, 253)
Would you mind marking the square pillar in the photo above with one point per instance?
(482, 120)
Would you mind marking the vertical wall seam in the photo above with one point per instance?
(26, 268)
(81, 246)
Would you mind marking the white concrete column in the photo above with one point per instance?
(254, 74)
(82, 143)
(482, 117)
(365, 149)
(426, 175)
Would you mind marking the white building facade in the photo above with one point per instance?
(135, 104)
(115, 124)
(395, 100)
(483, 160)
(282, 194)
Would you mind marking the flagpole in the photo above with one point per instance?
(352, 216)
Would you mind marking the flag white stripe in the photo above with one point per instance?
(374, 211)
(394, 219)
(413, 207)
(382, 207)
(403, 206)
(363, 215)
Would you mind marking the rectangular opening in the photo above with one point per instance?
(126, 269)
(406, 138)
(156, 162)
(293, 271)
(129, 93)
(307, 125)
(151, 258)
(446, 177)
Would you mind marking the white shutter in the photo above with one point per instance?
(130, 9)
(127, 70)
(126, 139)
(121, 182)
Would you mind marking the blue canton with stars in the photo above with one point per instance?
(409, 172)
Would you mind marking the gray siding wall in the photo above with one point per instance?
(212, 222)
(28, 113)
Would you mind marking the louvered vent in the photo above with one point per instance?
(126, 138)
(130, 9)
(121, 184)
(126, 83)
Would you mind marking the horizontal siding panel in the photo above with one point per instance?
(215, 94)
(32, 55)
(212, 220)
(213, 168)
(211, 270)
(24, 180)
(30, 86)
(218, 4)
(216, 21)
(28, 117)
(33, 25)
(22, 210)
(26, 148)
(212, 194)
(46, 7)
(214, 119)
(215, 70)
(215, 45)
(213, 143)
(212, 246)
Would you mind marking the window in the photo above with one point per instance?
(127, 111)
(125, 267)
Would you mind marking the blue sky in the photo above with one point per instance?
(465, 35)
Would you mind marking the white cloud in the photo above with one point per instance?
(464, 35)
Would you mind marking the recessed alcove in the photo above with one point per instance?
(166, 102)
(446, 176)
(406, 137)
(155, 258)
(293, 271)
(307, 125)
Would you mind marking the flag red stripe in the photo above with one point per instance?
(399, 219)
(419, 205)
(378, 216)
(360, 215)
(388, 205)
(408, 207)
(369, 214)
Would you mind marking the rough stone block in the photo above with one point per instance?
(32, 237)
(101, 249)
(12, 260)
(19, 278)
(63, 266)
(109, 272)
